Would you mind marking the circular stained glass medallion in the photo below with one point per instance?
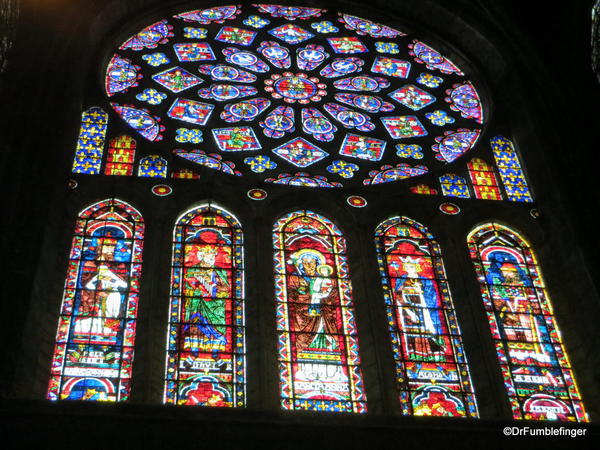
(294, 95)
(295, 87)
(161, 190)
(356, 201)
(257, 194)
(449, 208)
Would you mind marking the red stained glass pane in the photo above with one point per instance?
(121, 156)
(483, 178)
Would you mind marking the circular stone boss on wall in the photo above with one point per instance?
(293, 95)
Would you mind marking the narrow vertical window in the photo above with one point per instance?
(511, 172)
(121, 155)
(484, 180)
(90, 144)
(96, 331)
(318, 345)
(205, 342)
(431, 366)
(535, 367)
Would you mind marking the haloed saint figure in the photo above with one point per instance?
(433, 377)
(516, 311)
(418, 304)
(102, 283)
(315, 320)
(207, 287)
(206, 347)
(314, 304)
(93, 355)
(535, 367)
(318, 347)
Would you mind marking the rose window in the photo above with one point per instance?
(294, 95)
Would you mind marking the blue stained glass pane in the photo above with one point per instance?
(511, 173)
(90, 145)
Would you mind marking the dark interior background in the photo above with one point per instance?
(534, 58)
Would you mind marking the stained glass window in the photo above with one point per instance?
(454, 186)
(152, 166)
(206, 347)
(431, 366)
(511, 173)
(96, 330)
(423, 189)
(319, 364)
(312, 94)
(121, 156)
(212, 160)
(90, 144)
(185, 174)
(535, 367)
(484, 180)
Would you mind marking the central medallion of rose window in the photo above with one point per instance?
(297, 87)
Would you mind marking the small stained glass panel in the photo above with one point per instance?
(121, 156)
(511, 172)
(454, 186)
(483, 178)
(152, 166)
(90, 144)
